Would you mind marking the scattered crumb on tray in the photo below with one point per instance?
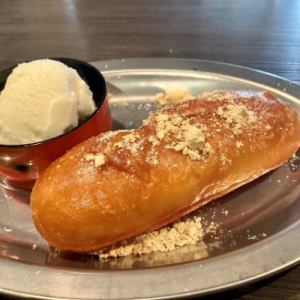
(258, 236)
(225, 212)
(182, 233)
(173, 95)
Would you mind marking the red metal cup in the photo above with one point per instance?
(20, 165)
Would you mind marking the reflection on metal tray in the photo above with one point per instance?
(260, 221)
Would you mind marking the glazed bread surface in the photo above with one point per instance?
(124, 183)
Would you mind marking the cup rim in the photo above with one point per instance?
(98, 107)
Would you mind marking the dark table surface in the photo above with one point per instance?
(262, 34)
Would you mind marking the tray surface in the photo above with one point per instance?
(261, 220)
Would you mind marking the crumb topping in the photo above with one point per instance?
(239, 144)
(107, 135)
(152, 155)
(195, 131)
(172, 96)
(218, 95)
(181, 233)
(98, 159)
(182, 136)
(225, 160)
(131, 142)
(237, 116)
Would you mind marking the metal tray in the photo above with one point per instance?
(261, 228)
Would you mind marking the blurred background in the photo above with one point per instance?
(263, 34)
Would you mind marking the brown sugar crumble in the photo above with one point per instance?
(152, 155)
(224, 160)
(180, 135)
(258, 236)
(131, 142)
(97, 159)
(217, 95)
(173, 95)
(237, 116)
(179, 234)
(239, 144)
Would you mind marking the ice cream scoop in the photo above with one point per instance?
(42, 99)
(20, 165)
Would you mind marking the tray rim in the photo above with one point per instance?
(285, 242)
(280, 243)
(175, 63)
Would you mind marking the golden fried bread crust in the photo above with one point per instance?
(121, 184)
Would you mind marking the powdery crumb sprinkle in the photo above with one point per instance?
(152, 156)
(256, 236)
(182, 233)
(212, 228)
(224, 160)
(237, 116)
(239, 144)
(97, 159)
(225, 212)
(217, 95)
(131, 142)
(173, 95)
(186, 138)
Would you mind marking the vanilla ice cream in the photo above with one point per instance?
(42, 99)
